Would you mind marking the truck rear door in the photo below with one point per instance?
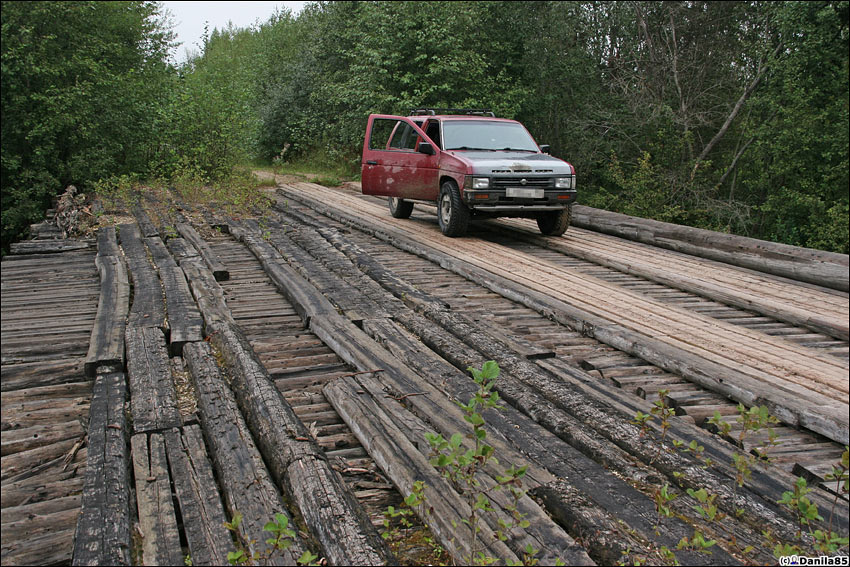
(391, 164)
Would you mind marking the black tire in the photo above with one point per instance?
(452, 214)
(399, 208)
(554, 223)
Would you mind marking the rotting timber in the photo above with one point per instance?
(311, 351)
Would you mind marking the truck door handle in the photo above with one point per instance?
(371, 162)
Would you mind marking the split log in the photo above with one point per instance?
(157, 521)
(208, 294)
(146, 226)
(184, 317)
(351, 290)
(328, 507)
(106, 347)
(103, 529)
(153, 399)
(827, 269)
(159, 252)
(218, 269)
(180, 249)
(147, 309)
(200, 503)
(107, 243)
(244, 480)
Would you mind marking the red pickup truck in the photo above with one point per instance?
(470, 164)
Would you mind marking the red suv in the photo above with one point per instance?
(470, 164)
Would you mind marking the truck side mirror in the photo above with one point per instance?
(425, 148)
(544, 148)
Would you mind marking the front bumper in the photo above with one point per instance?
(495, 200)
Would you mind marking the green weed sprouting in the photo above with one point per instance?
(284, 537)
(750, 421)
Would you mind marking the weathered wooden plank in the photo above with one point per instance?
(103, 529)
(50, 545)
(160, 538)
(47, 246)
(34, 375)
(200, 503)
(244, 480)
(27, 463)
(46, 487)
(106, 348)
(26, 438)
(147, 309)
(803, 264)
(735, 287)
(153, 400)
(296, 461)
(219, 270)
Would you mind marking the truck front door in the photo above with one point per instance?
(392, 165)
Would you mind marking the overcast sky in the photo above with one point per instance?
(189, 18)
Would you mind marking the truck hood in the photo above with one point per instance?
(507, 163)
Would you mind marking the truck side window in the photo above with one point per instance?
(404, 137)
(382, 129)
(433, 131)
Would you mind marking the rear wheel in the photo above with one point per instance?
(554, 223)
(452, 214)
(399, 208)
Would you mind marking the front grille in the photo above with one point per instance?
(530, 182)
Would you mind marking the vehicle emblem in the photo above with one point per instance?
(523, 181)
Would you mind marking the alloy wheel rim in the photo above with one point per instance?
(446, 208)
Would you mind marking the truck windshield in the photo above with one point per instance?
(481, 135)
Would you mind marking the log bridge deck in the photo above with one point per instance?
(151, 388)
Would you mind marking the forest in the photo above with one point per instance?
(731, 116)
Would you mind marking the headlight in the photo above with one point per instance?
(480, 182)
(563, 183)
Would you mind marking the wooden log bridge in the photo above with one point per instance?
(171, 380)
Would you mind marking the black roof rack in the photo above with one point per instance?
(466, 111)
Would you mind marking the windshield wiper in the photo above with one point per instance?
(474, 149)
(518, 150)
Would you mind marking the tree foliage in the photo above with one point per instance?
(81, 85)
(724, 115)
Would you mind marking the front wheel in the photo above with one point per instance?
(399, 208)
(452, 214)
(554, 223)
